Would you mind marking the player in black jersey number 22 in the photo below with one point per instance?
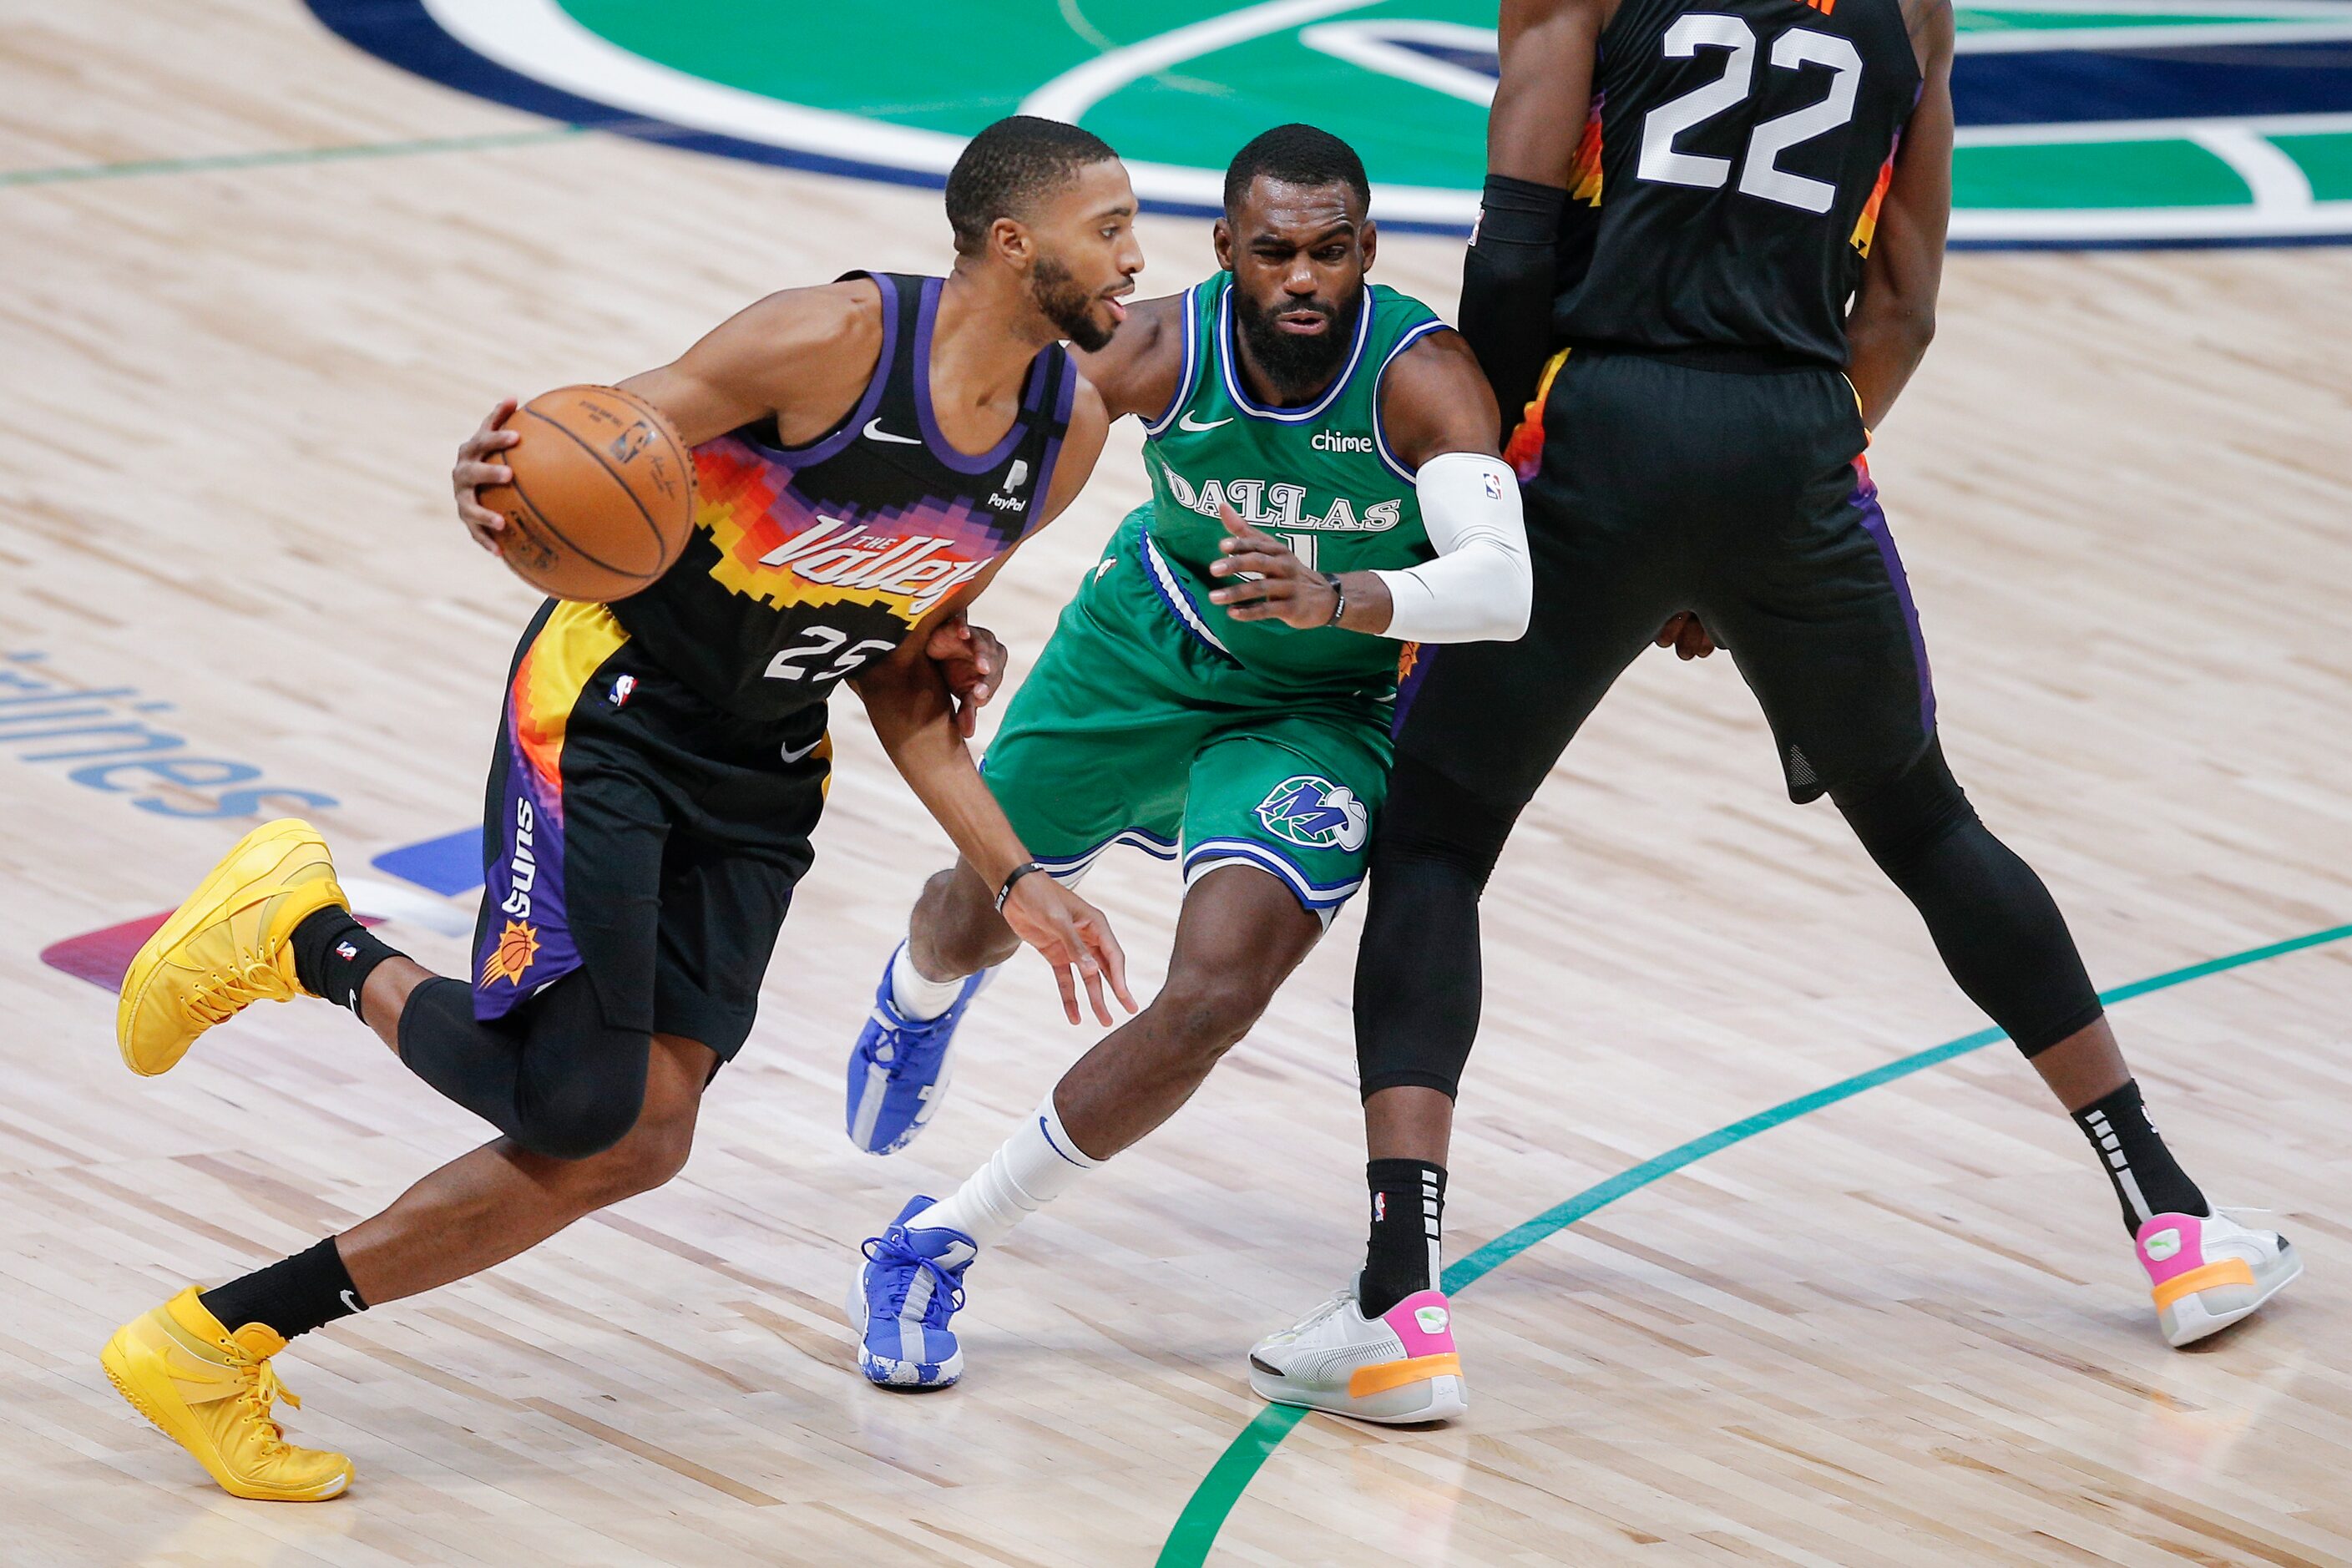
(1704, 299)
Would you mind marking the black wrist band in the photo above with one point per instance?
(1341, 592)
(1012, 876)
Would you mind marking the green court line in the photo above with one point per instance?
(72, 172)
(1196, 1531)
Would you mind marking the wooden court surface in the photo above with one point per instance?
(1904, 1328)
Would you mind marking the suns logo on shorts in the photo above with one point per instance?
(511, 959)
(1316, 814)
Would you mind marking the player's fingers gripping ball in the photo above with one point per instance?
(601, 501)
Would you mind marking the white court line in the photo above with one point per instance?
(1069, 96)
(2278, 182)
(1380, 47)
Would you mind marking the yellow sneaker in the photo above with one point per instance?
(210, 1391)
(226, 946)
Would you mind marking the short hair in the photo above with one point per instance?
(1011, 165)
(1296, 155)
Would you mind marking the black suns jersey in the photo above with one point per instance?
(1729, 181)
(808, 562)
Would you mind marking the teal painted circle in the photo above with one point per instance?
(2080, 121)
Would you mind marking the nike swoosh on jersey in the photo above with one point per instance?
(874, 432)
(1190, 423)
(790, 756)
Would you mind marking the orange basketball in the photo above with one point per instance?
(603, 497)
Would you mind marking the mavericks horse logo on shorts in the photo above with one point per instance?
(1316, 814)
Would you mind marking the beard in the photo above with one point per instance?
(1296, 364)
(1071, 309)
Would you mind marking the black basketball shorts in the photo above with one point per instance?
(639, 834)
(1739, 494)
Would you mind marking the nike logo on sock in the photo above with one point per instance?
(352, 1302)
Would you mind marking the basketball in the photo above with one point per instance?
(603, 497)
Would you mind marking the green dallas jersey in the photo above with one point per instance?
(1321, 478)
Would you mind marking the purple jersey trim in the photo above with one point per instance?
(525, 886)
(1873, 522)
(925, 316)
(1038, 515)
(846, 432)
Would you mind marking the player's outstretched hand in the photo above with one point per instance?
(1074, 938)
(1687, 636)
(477, 465)
(972, 662)
(1287, 590)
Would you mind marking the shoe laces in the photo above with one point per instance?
(904, 1263)
(261, 1391)
(1323, 1312)
(910, 1042)
(222, 994)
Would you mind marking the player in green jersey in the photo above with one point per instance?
(1327, 490)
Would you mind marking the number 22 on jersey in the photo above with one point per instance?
(1760, 171)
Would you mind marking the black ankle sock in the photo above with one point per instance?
(1408, 1216)
(334, 955)
(292, 1296)
(2146, 1178)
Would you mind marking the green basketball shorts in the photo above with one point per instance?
(1133, 730)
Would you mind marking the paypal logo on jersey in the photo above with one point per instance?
(1316, 814)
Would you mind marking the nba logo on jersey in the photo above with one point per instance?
(621, 688)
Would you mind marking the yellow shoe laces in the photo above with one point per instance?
(220, 996)
(261, 1391)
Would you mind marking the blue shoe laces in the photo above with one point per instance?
(947, 1290)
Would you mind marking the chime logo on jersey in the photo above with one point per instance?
(2080, 121)
(1316, 814)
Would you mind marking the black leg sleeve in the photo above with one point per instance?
(1993, 922)
(1417, 971)
(556, 1079)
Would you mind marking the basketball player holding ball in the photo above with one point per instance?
(868, 454)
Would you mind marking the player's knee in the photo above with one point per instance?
(1211, 1011)
(580, 1117)
(962, 927)
(1899, 820)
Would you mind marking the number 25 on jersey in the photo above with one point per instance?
(1760, 171)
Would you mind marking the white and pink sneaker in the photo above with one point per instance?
(1399, 1367)
(2209, 1273)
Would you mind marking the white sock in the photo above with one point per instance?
(918, 997)
(1036, 1166)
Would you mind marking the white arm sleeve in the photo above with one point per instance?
(1482, 585)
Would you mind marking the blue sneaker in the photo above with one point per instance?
(911, 1284)
(898, 1068)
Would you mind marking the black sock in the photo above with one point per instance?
(292, 1296)
(2148, 1180)
(334, 955)
(1408, 1216)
